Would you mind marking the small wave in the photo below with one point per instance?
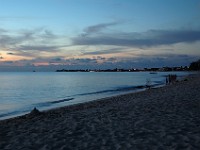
(12, 113)
(62, 100)
(28, 109)
(113, 90)
(158, 83)
(48, 103)
(122, 89)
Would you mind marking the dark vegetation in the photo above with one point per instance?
(195, 65)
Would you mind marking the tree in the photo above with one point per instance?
(195, 65)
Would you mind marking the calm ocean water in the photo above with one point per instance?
(21, 92)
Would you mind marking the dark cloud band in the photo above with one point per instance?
(146, 39)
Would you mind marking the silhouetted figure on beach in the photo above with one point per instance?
(167, 80)
(171, 78)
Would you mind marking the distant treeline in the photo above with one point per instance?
(129, 70)
(195, 65)
(95, 70)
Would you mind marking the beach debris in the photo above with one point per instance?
(35, 112)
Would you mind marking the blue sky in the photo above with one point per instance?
(46, 35)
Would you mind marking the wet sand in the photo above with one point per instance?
(162, 118)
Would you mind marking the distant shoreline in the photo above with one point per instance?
(163, 69)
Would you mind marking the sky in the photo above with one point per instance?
(46, 35)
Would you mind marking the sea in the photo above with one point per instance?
(20, 92)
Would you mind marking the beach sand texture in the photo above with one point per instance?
(162, 118)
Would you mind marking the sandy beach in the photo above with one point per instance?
(162, 118)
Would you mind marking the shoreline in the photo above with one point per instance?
(137, 89)
(165, 117)
(56, 103)
(85, 104)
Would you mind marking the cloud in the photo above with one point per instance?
(2, 31)
(24, 53)
(29, 43)
(57, 59)
(8, 62)
(99, 27)
(108, 51)
(150, 38)
(38, 47)
(10, 54)
(141, 61)
(82, 61)
(5, 40)
(36, 36)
